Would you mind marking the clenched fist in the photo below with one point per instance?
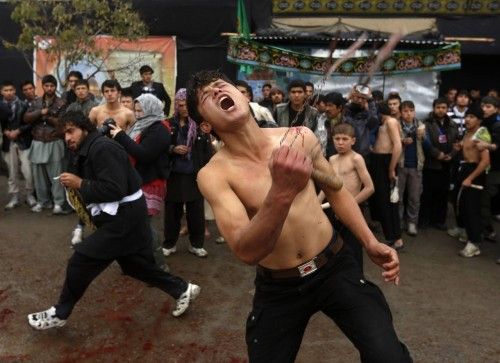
(290, 170)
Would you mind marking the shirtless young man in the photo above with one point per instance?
(352, 169)
(384, 160)
(470, 182)
(266, 208)
(112, 108)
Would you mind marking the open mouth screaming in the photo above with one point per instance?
(226, 103)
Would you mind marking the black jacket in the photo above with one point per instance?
(151, 154)
(108, 176)
(159, 91)
(201, 150)
(432, 145)
(24, 139)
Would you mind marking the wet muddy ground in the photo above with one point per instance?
(446, 308)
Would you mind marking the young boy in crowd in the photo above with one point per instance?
(410, 166)
(470, 183)
(352, 168)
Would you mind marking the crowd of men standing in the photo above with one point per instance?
(416, 166)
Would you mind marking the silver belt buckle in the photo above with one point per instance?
(307, 268)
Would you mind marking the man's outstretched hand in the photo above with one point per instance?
(387, 258)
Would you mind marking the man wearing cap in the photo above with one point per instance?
(47, 149)
(146, 85)
(361, 113)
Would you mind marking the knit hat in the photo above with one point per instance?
(475, 111)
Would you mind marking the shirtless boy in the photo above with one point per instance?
(112, 108)
(470, 182)
(265, 206)
(351, 167)
(383, 163)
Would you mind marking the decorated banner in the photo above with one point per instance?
(249, 52)
(387, 7)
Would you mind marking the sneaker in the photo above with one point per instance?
(459, 233)
(45, 320)
(490, 236)
(57, 210)
(14, 202)
(76, 236)
(187, 296)
(412, 229)
(200, 252)
(470, 250)
(220, 239)
(168, 251)
(37, 208)
(31, 200)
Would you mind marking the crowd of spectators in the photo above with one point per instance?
(404, 172)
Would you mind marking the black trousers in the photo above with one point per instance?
(195, 217)
(468, 203)
(82, 270)
(381, 208)
(282, 309)
(434, 200)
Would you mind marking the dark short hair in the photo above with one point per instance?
(308, 83)
(111, 83)
(242, 83)
(383, 108)
(394, 96)
(335, 98)
(145, 69)
(82, 82)
(276, 90)
(296, 83)
(451, 88)
(49, 78)
(344, 128)
(76, 74)
(462, 92)
(266, 85)
(378, 95)
(78, 119)
(25, 83)
(196, 83)
(439, 101)
(127, 92)
(407, 104)
(7, 83)
(488, 100)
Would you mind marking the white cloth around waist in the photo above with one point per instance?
(111, 208)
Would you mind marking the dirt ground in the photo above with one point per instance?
(446, 308)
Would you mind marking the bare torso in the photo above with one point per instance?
(344, 166)
(122, 115)
(306, 230)
(470, 151)
(383, 144)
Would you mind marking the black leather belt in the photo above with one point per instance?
(307, 267)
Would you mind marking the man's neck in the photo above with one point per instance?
(248, 142)
(409, 122)
(473, 130)
(113, 105)
(297, 107)
(49, 98)
(461, 108)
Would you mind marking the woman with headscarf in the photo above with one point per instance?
(190, 151)
(147, 143)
